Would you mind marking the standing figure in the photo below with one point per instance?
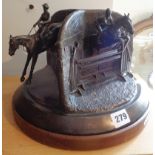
(43, 20)
(73, 69)
(103, 27)
(76, 86)
(108, 17)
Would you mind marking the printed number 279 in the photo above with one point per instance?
(120, 118)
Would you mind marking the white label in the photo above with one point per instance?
(120, 118)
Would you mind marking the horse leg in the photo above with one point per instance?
(34, 60)
(25, 68)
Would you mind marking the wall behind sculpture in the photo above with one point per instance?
(138, 9)
(18, 20)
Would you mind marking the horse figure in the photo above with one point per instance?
(34, 46)
(117, 32)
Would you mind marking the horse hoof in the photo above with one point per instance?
(22, 79)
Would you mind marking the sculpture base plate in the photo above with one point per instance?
(53, 136)
(89, 142)
(41, 118)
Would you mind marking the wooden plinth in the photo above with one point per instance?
(80, 142)
(77, 131)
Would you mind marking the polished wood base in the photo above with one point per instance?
(81, 142)
(40, 116)
(41, 119)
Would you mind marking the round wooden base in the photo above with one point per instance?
(80, 142)
(40, 116)
(76, 142)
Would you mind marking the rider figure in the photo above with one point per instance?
(43, 20)
(108, 17)
(103, 24)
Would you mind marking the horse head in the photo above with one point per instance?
(127, 23)
(13, 45)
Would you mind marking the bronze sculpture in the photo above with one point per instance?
(86, 95)
(35, 44)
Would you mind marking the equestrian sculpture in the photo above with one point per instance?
(86, 97)
(43, 40)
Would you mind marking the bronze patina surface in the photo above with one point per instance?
(85, 97)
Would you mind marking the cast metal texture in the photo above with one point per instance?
(93, 78)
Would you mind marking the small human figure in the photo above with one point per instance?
(72, 64)
(43, 20)
(76, 87)
(108, 17)
(102, 25)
